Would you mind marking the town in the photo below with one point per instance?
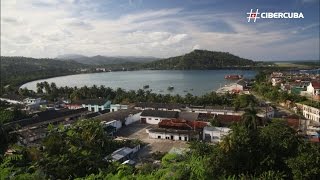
(164, 127)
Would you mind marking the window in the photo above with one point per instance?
(156, 119)
(159, 137)
(149, 118)
(186, 138)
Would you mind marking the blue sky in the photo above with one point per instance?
(159, 28)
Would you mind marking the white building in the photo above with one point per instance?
(214, 110)
(117, 107)
(311, 113)
(276, 81)
(215, 134)
(159, 106)
(132, 118)
(314, 88)
(30, 101)
(172, 134)
(156, 116)
(11, 101)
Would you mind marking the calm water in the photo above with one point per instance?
(196, 82)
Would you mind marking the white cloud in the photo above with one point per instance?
(50, 28)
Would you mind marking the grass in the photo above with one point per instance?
(287, 64)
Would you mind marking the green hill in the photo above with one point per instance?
(17, 70)
(201, 59)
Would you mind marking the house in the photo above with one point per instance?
(177, 130)
(314, 88)
(214, 110)
(310, 112)
(297, 123)
(156, 116)
(117, 107)
(227, 120)
(172, 134)
(32, 101)
(12, 99)
(266, 112)
(94, 105)
(123, 154)
(159, 106)
(276, 81)
(182, 124)
(215, 134)
(35, 128)
(126, 116)
(189, 116)
(111, 126)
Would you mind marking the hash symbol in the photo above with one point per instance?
(253, 15)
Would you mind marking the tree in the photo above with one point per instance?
(250, 118)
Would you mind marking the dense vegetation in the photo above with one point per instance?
(201, 59)
(105, 60)
(10, 112)
(264, 88)
(248, 152)
(51, 91)
(18, 70)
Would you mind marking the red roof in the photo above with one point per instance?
(228, 119)
(315, 139)
(315, 84)
(181, 124)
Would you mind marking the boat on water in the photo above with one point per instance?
(170, 88)
(233, 76)
(145, 86)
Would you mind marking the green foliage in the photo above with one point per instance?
(244, 100)
(18, 70)
(200, 59)
(77, 150)
(11, 115)
(271, 152)
(272, 93)
(306, 164)
(50, 91)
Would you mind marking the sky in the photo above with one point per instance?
(158, 28)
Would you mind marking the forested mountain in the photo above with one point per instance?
(201, 59)
(104, 60)
(16, 70)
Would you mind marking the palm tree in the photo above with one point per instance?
(250, 118)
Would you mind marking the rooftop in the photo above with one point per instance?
(181, 124)
(160, 105)
(189, 116)
(121, 153)
(315, 84)
(120, 115)
(174, 131)
(100, 101)
(162, 114)
(228, 119)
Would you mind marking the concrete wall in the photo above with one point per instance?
(152, 120)
(94, 108)
(176, 137)
(132, 118)
(215, 133)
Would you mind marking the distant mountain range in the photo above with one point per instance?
(105, 60)
(200, 59)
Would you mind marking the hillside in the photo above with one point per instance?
(17, 70)
(105, 60)
(200, 59)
